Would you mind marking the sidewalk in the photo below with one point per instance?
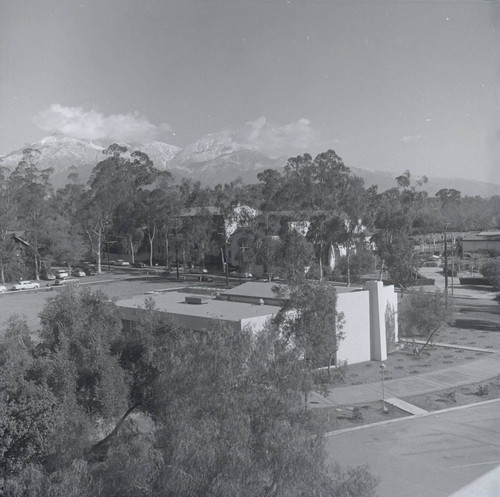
(452, 377)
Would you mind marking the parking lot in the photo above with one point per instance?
(116, 284)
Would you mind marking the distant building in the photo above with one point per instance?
(370, 314)
(485, 241)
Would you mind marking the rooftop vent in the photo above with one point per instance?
(193, 299)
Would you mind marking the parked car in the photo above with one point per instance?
(265, 277)
(62, 274)
(47, 275)
(88, 269)
(173, 268)
(119, 262)
(240, 274)
(67, 281)
(138, 264)
(197, 270)
(78, 272)
(25, 285)
(3, 289)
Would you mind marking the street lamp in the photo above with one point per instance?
(384, 408)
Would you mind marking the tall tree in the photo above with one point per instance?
(8, 223)
(114, 184)
(310, 322)
(396, 212)
(32, 188)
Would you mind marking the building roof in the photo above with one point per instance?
(257, 289)
(175, 303)
(483, 236)
(266, 290)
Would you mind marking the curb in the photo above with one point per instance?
(451, 346)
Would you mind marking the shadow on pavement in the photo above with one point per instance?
(476, 324)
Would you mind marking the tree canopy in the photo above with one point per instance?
(97, 409)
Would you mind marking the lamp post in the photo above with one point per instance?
(384, 408)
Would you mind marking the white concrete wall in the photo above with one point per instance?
(257, 323)
(383, 319)
(355, 347)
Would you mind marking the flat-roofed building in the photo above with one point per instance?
(486, 241)
(369, 313)
(200, 312)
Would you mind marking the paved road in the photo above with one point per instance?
(429, 456)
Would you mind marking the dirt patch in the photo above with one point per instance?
(459, 396)
(405, 363)
(340, 417)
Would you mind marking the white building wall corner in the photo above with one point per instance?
(378, 305)
(355, 347)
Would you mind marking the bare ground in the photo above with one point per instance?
(404, 363)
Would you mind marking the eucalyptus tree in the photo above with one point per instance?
(115, 184)
(324, 193)
(396, 212)
(311, 325)
(32, 189)
(226, 198)
(8, 223)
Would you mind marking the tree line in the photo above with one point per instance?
(314, 204)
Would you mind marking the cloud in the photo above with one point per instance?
(411, 138)
(271, 138)
(93, 125)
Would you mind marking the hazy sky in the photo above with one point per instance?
(389, 85)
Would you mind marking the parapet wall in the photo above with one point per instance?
(383, 319)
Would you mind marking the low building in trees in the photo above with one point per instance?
(369, 314)
(485, 241)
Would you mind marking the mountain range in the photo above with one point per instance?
(215, 158)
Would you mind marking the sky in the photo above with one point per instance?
(389, 85)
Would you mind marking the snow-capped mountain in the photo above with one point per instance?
(221, 158)
(244, 164)
(66, 155)
(159, 152)
(215, 158)
(209, 147)
(63, 154)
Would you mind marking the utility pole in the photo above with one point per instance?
(446, 263)
(452, 263)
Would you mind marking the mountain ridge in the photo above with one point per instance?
(215, 158)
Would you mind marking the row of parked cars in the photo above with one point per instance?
(61, 274)
(58, 276)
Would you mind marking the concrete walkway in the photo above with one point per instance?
(405, 406)
(452, 377)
